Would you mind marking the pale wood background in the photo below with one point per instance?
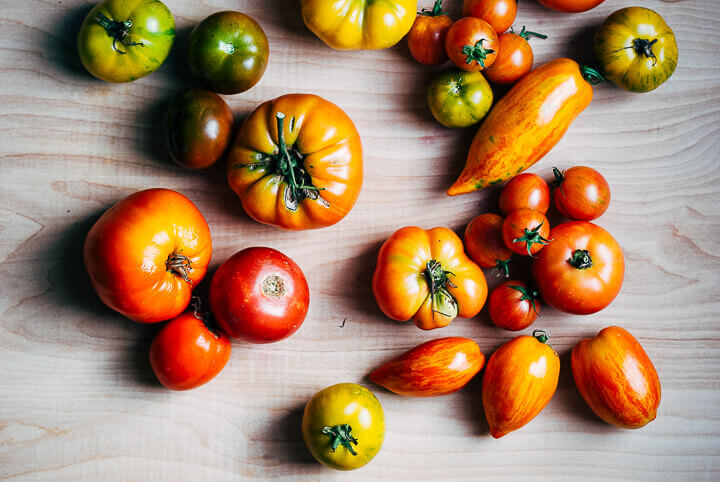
(77, 398)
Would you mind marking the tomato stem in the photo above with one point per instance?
(180, 265)
(541, 335)
(527, 294)
(526, 34)
(591, 75)
(559, 178)
(340, 435)
(434, 12)
(530, 237)
(204, 315)
(580, 259)
(476, 53)
(503, 266)
(437, 279)
(118, 31)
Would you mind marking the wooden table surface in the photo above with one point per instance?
(77, 398)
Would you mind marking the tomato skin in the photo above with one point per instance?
(330, 159)
(581, 193)
(400, 281)
(145, 254)
(525, 224)
(459, 99)
(198, 125)
(426, 39)
(259, 295)
(479, 37)
(510, 308)
(520, 379)
(571, 6)
(484, 242)
(229, 52)
(514, 60)
(525, 191)
(186, 354)
(580, 291)
(637, 50)
(500, 14)
(148, 22)
(344, 404)
(434, 368)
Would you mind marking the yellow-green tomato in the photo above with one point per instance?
(344, 426)
(459, 99)
(123, 40)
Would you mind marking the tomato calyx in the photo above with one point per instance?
(643, 46)
(526, 34)
(340, 435)
(476, 53)
(532, 236)
(118, 31)
(437, 278)
(180, 265)
(527, 294)
(502, 267)
(435, 11)
(591, 75)
(541, 335)
(580, 259)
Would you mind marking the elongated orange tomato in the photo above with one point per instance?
(520, 379)
(526, 123)
(426, 276)
(616, 378)
(436, 367)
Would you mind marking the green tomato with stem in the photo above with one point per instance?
(459, 99)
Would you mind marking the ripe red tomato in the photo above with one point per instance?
(525, 231)
(187, 353)
(471, 44)
(426, 38)
(526, 191)
(515, 57)
(498, 13)
(513, 306)
(582, 269)
(259, 295)
(484, 243)
(581, 193)
(571, 6)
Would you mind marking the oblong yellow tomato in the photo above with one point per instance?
(359, 24)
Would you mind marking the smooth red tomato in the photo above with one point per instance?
(581, 193)
(187, 353)
(259, 295)
(525, 191)
(525, 231)
(484, 243)
(426, 39)
(582, 269)
(498, 13)
(471, 44)
(515, 57)
(513, 305)
(571, 6)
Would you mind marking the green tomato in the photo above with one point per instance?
(459, 99)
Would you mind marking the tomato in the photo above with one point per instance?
(581, 193)
(146, 253)
(484, 243)
(515, 57)
(437, 367)
(616, 378)
(500, 14)
(359, 24)
(426, 276)
(471, 44)
(229, 52)
(344, 426)
(513, 305)
(459, 99)
(636, 49)
(571, 6)
(520, 379)
(582, 269)
(198, 125)
(525, 231)
(124, 40)
(525, 191)
(187, 353)
(307, 177)
(259, 295)
(426, 39)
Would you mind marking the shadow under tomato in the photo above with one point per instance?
(61, 42)
(288, 446)
(472, 407)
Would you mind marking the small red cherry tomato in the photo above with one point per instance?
(513, 306)
(525, 191)
(471, 44)
(581, 193)
(525, 231)
(484, 243)
(500, 14)
(426, 38)
(515, 58)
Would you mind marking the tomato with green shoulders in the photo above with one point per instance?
(459, 99)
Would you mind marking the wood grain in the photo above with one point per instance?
(77, 398)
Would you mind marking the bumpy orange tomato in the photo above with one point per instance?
(484, 243)
(471, 44)
(426, 39)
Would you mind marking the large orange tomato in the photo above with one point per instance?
(145, 254)
(426, 276)
(616, 378)
(296, 163)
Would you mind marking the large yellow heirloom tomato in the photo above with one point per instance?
(359, 24)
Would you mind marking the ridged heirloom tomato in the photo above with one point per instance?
(146, 253)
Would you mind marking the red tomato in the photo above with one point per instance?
(525, 191)
(426, 38)
(525, 231)
(515, 58)
(571, 6)
(471, 44)
(513, 306)
(581, 193)
(484, 243)
(500, 14)
(186, 353)
(259, 295)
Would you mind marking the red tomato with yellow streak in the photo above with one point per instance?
(500, 14)
(513, 305)
(525, 191)
(515, 57)
(426, 39)
(471, 44)
(581, 193)
(484, 243)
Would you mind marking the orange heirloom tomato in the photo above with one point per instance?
(500, 14)
(520, 379)
(146, 253)
(515, 57)
(484, 243)
(426, 39)
(436, 367)
(471, 44)
(571, 6)
(425, 275)
(616, 378)
(296, 163)
(525, 191)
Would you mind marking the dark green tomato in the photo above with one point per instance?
(198, 125)
(459, 99)
(229, 51)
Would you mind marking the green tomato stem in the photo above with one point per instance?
(118, 31)
(435, 11)
(476, 53)
(340, 435)
(580, 259)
